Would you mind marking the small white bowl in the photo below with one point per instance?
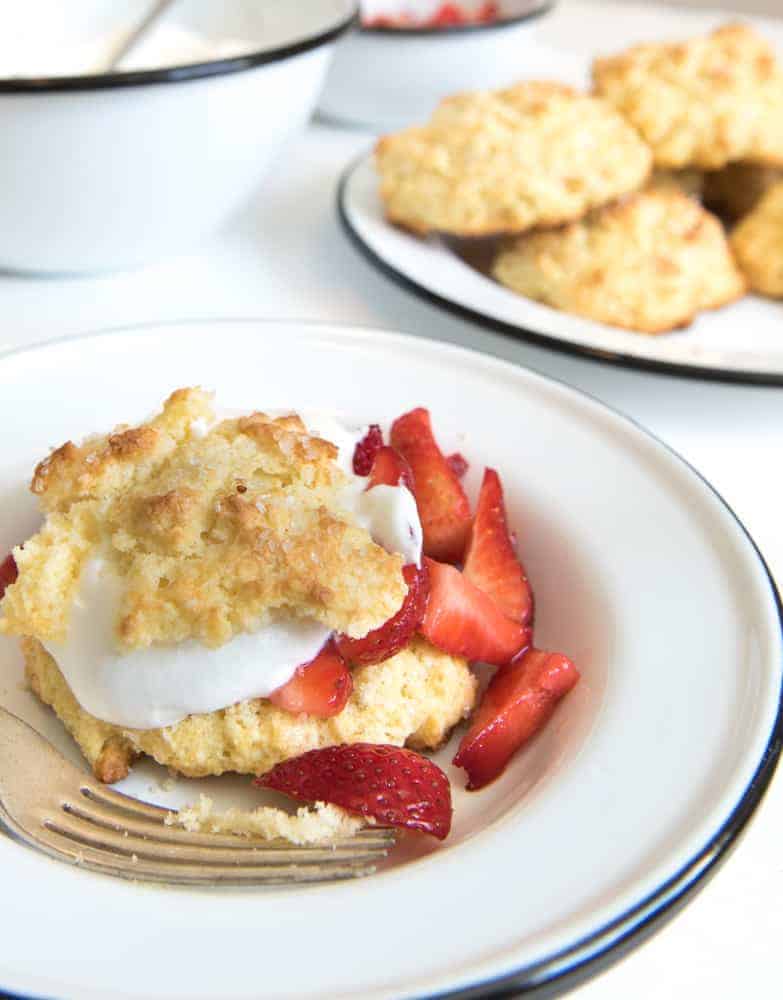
(388, 78)
(107, 171)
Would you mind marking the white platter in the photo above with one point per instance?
(742, 342)
(639, 786)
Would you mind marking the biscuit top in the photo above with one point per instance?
(506, 160)
(703, 102)
(213, 532)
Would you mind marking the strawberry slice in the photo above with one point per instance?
(389, 468)
(321, 687)
(366, 449)
(462, 620)
(396, 633)
(443, 507)
(395, 786)
(447, 15)
(518, 702)
(491, 563)
(8, 573)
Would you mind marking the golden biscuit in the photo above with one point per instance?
(212, 534)
(737, 189)
(215, 528)
(757, 243)
(649, 263)
(505, 161)
(413, 698)
(701, 103)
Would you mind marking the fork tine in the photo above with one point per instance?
(189, 873)
(153, 831)
(88, 835)
(111, 799)
(48, 803)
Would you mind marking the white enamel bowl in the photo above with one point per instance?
(100, 172)
(389, 78)
(641, 782)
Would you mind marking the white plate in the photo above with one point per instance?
(643, 779)
(741, 342)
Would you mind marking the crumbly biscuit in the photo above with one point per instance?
(736, 190)
(321, 823)
(505, 161)
(212, 534)
(701, 103)
(757, 243)
(649, 263)
(413, 698)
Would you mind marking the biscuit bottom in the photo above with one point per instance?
(413, 699)
(648, 263)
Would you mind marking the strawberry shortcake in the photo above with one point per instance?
(283, 596)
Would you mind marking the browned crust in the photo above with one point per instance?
(114, 761)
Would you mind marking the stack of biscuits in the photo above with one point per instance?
(597, 201)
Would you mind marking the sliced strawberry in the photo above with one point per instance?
(459, 464)
(488, 12)
(397, 787)
(396, 633)
(519, 700)
(443, 507)
(389, 468)
(462, 620)
(321, 687)
(447, 15)
(366, 449)
(8, 573)
(491, 563)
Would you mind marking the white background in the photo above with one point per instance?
(286, 256)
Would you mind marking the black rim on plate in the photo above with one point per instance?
(518, 332)
(602, 949)
(177, 74)
(533, 9)
(558, 973)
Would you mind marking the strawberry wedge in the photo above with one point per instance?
(8, 573)
(519, 700)
(365, 451)
(394, 786)
(320, 688)
(462, 620)
(443, 507)
(389, 468)
(396, 633)
(491, 563)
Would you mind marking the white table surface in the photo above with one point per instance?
(287, 257)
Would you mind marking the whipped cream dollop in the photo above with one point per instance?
(161, 685)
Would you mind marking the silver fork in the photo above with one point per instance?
(48, 803)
